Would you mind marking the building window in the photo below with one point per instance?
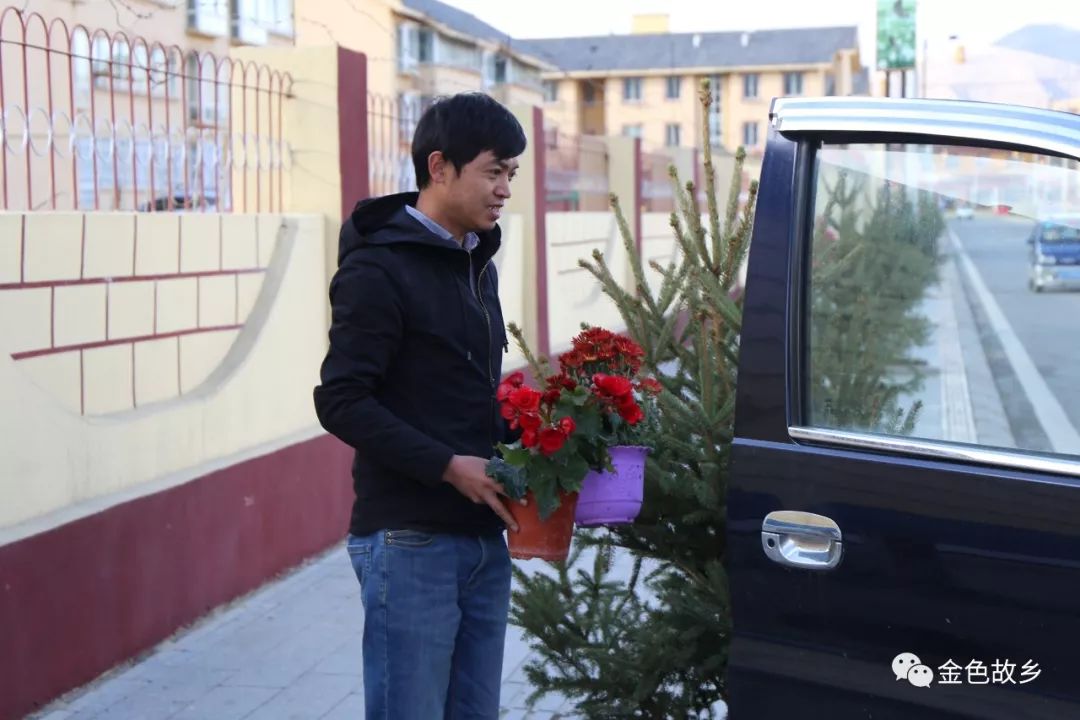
(208, 17)
(634, 131)
(495, 69)
(252, 19)
(425, 51)
(277, 16)
(631, 89)
(716, 125)
(588, 93)
(452, 53)
(793, 83)
(408, 47)
(750, 134)
(672, 135)
(525, 75)
(750, 85)
(674, 87)
(207, 101)
(551, 90)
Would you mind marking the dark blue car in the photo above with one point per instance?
(904, 503)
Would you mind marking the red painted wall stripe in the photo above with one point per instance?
(80, 598)
(126, 279)
(352, 128)
(121, 341)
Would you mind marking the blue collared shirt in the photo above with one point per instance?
(469, 243)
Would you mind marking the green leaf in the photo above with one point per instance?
(589, 424)
(517, 456)
(547, 499)
(576, 469)
(511, 477)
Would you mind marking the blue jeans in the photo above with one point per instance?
(435, 610)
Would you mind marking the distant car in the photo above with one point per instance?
(1055, 253)
(965, 212)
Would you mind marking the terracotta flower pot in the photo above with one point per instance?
(548, 539)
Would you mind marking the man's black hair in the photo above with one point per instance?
(463, 126)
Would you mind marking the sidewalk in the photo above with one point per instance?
(289, 650)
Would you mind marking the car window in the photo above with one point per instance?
(933, 314)
(1051, 232)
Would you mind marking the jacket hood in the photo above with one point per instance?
(384, 221)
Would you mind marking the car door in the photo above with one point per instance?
(904, 499)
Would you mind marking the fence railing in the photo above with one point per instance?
(391, 123)
(576, 172)
(93, 120)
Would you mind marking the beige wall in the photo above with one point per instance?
(565, 112)
(515, 94)
(657, 244)
(516, 282)
(368, 27)
(143, 276)
(573, 295)
(201, 397)
(431, 79)
(313, 179)
(654, 111)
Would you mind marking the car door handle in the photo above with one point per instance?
(801, 540)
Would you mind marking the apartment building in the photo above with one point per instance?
(646, 84)
(420, 49)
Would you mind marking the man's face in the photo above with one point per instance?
(475, 197)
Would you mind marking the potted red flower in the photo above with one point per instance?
(560, 441)
(579, 434)
(613, 495)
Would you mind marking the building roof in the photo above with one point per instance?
(797, 46)
(469, 25)
(1053, 41)
(458, 20)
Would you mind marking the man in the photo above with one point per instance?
(409, 381)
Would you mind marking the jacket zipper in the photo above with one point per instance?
(487, 321)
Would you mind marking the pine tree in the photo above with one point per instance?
(867, 280)
(655, 645)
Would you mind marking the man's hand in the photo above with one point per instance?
(469, 477)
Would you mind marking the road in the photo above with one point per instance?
(1047, 326)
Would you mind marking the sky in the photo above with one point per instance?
(971, 20)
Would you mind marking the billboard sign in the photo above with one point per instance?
(895, 34)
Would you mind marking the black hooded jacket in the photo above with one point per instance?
(414, 362)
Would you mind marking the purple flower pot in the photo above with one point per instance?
(614, 498)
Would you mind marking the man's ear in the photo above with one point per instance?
(437, 167)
